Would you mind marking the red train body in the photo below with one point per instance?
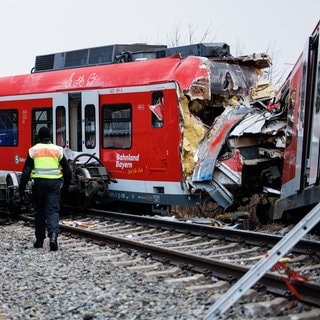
(300, 97)
(105, 110)
(177, 130)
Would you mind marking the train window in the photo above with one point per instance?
(61, 126)
(90, 126)
(40, 118)
(8, 127)
(156, 108)
(117, 126)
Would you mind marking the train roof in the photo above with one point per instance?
(120, 53)
(108, 76)
(199, 69)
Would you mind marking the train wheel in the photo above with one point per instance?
(88, 186)
(83, 201)
(13, 199)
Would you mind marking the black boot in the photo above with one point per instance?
(38, 244)
(53, 242)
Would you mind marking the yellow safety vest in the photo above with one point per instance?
(46, 159)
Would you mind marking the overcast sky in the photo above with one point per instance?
(36, 27)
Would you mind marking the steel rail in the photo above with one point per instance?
(245, 236)
(309, 292)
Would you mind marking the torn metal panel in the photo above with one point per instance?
(274, 127)
(270, 153)
(243, 141)
(228, 171)
(231, 79)
(200, 89)
(271, 191)
(210, 147)
(255, 60)
(219, 97)
(224, 77)
(225, 175)
(261, 123)
(280, 142)
(217, 192)
(194, 81)
(252, 123)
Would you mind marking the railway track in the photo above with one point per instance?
(196, 254)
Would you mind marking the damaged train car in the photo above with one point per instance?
(172, 127)
(262, 152)
(233, 141)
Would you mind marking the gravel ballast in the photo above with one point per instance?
(70, 284)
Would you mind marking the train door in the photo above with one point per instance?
(75, 121)
(90, 123)
(159, 144)
(60, 118)
(165, 138)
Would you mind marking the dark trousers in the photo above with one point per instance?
(46, 199)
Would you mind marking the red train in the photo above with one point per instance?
(299, 97)
(180, 126)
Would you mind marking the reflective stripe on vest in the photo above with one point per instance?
(46, 159)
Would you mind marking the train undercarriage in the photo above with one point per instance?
(89, 184)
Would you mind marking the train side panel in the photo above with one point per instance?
(301, 168)
(143, 150)
(20, 119)
(292, 157)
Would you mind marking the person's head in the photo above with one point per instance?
(44, 134)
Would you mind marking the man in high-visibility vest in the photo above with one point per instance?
(49, 169)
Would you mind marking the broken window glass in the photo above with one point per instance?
(157, 109)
